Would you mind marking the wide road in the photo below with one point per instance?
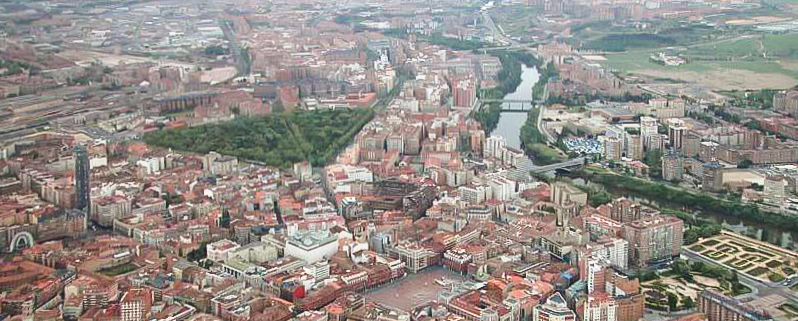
(242, 63)
(497, 33)
(571, 162)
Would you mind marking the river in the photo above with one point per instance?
(768, 233)
(510, 127)
(510, 123)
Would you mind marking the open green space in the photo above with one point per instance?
(278, 140)
(515, 20)
(534, 142)
(454, 43)
(751, 258)
(775, 277)
(625, 41)
(773, 264)
(769, 60)
(680, 286)
(119, 269)
(641, 60)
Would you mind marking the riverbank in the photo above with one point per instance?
(509, 81)
(681, 200)
(534, 142)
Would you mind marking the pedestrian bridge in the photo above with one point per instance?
(512, 105)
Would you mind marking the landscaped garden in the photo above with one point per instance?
(751, 257)
(679, 288)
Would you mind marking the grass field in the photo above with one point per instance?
(756, 73)
(745, 62)
(544, 154)
(516, 21)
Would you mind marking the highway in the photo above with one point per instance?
(497, 34)
(569, 163)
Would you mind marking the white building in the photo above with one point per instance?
(339, 177)
(255, 252)
(555, 309)
(153, 164)
(502, 189)
(312, 246)
(494, 146)
(220, 251)
(648, 129)
(595, 276)
(615, 251)
(475, 194)
(599, 306)
(774, 189)
(319, 270)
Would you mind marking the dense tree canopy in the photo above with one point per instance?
(277, 140)
(685, 200)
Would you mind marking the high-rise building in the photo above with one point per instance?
(774, 189)
(786, 102)
(135, 305)
(676, 136)
(82, 171)
(634, 147)
(464, 92)
(713, 177)
(624, 210)
(653, 238)
(595, 276)
(672, 166)
(494, 146)
(691, 145)
(657, 142)
(613, 149)
(719, 307)
(629, 301)
(648, 129)
(612, 250)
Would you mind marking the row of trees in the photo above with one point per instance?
(546, 73)
(534, 142)
(278, 140)
(761, 99)
(509, 78)
(454, 43)
(622, 42)
(697, 227)
(679, 199)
